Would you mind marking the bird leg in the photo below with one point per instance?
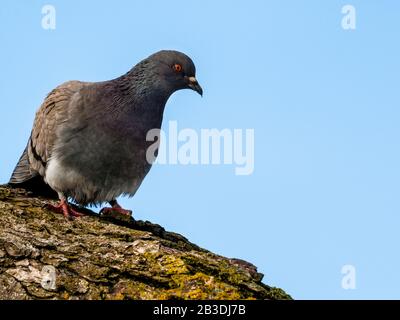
(64, 208)
(116, 207)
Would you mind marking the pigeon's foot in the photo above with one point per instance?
(119, 210)
(115, 207)
(65, 209)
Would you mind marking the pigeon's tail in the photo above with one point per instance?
(23, 177)
(22, 171)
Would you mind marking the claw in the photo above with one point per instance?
(65, 209)
(116, 207)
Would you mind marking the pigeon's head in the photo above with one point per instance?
(176, 70)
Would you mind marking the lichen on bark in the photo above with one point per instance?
(44, 256)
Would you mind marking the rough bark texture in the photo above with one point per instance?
(44, 256)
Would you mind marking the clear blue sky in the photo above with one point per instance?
(324, 104)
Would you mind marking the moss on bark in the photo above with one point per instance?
(44, 256)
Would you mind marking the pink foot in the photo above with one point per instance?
(116, 207)
(65, 209)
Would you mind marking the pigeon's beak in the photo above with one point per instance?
(194, 85)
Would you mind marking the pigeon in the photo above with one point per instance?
(88, 143)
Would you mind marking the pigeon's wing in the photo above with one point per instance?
(50, 115)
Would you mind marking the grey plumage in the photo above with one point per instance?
(88, 141)
(22, 171)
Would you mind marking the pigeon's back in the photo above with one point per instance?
(30, 169)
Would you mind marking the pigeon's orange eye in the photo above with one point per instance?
(177, 67)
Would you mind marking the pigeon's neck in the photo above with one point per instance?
(143, 91)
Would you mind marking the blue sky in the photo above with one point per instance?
(324, 104)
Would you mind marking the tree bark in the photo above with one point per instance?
(45, 256)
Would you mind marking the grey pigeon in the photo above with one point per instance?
(88, 141)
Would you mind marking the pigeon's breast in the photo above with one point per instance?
(85, 188)
(98, 168)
